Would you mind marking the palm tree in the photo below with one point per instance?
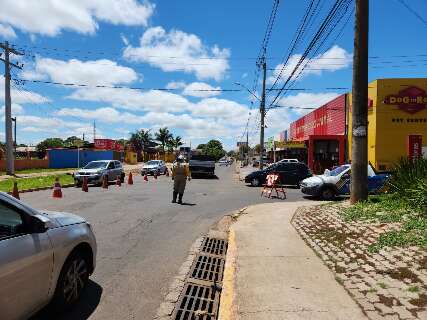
(163, 136)
(140, 139)
(177, 142)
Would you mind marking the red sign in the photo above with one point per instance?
(329, 119)
(415, 147)
(105, 144)
(410, 100)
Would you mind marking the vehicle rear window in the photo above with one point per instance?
(202, 158)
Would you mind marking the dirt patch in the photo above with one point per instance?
(420, 302)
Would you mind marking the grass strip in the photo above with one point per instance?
(34, 182)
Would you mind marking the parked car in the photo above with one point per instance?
(96, 170)
(224, 162)
(266, 162)
(154, 166)
(337, 182)
(45, 257)
(289, 173)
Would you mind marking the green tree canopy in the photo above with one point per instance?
(164, 137)
(49, 143)
(201, 146)
(214, 149)
(140, 138)
(74, 141)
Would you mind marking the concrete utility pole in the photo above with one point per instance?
(10, 162)
(247, 146)
(94, 131)
(359, 146)
(262, 111)
(14, 133)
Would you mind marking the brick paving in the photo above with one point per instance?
(389, 284)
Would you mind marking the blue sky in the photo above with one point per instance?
(184, 46)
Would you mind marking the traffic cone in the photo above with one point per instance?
(130, 178)
(167, 172)
(105, 182)
(145, 177)
(57, 192)
(118, 182)
(85, 188)
(15, 192)
(155, 175)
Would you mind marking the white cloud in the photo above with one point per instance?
(17, 109)
(334, 59)
(176, 85)
(302, 100)
(201, 90)
(22, 96)
(7, 32)
(107, 115)
(97, 72)
(190, 55)
(50, 17)
(153, 100)
(231, 111)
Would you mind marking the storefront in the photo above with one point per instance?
(323, 131)
(397, 121)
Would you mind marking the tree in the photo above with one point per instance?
(49, 143)
(214, 149)
(201, 146)
(163, 136)
(258, 148)
(140, 138)
(177, 142)
(74, 141)
(231, 153)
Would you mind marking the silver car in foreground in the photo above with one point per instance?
(45, 257)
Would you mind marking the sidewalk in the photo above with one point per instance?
(272, 274)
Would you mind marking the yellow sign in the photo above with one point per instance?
(289, 144)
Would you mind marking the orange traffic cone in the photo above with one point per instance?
(105, 182)
(145, 177)
(57, 192)
(167, 172)
(15, 191)
(85, 188)
(155, 175)
(130, 178)
(119, 182)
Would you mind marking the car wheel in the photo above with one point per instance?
(328, 194)
(77, 184)
(255, 182)
(72, 280)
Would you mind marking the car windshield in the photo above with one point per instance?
(96, 165)
(338, 170)
(152, 163)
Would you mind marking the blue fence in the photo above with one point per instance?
(72, 158)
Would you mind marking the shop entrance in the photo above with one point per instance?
(325, 152)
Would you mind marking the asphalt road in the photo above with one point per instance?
(143, 238)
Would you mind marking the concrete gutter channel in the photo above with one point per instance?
(196, 292)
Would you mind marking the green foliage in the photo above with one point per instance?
(36, 182)
(74, 141)
(201, 146)
(50, 143)
(164, 137)
(140, 138)
(409, 181)
(174, 143)
(214, 149)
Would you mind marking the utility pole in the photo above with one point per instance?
(262, 111)
(247, 146)
(359, 145)
(14, 133)
(10, 162)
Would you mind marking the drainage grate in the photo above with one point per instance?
(197, 303)
(208, 268)
(214, 246)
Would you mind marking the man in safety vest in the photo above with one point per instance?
(180, 174)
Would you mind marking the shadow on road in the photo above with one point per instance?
(188, 204)
(81, 311)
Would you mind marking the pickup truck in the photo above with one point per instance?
(337, 182)
(202, 165)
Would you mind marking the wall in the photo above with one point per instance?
(22, 164)
(329, 119)
(71, 158)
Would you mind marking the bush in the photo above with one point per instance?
(409, 182)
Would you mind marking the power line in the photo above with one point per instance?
(415, 13)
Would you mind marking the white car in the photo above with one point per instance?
(154, 166)
(45, 257)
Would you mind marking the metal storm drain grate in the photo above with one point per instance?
(197, 303)
(214, 246)
(208, 268)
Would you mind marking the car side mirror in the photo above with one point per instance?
(38, 224)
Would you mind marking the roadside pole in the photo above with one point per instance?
(359, 146)
(262, 111)
(10, 162)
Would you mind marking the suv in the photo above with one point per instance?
(288, 160)
(45, 257)
(290, 174)
(96, 170)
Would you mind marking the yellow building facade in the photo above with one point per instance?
(397, 120)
